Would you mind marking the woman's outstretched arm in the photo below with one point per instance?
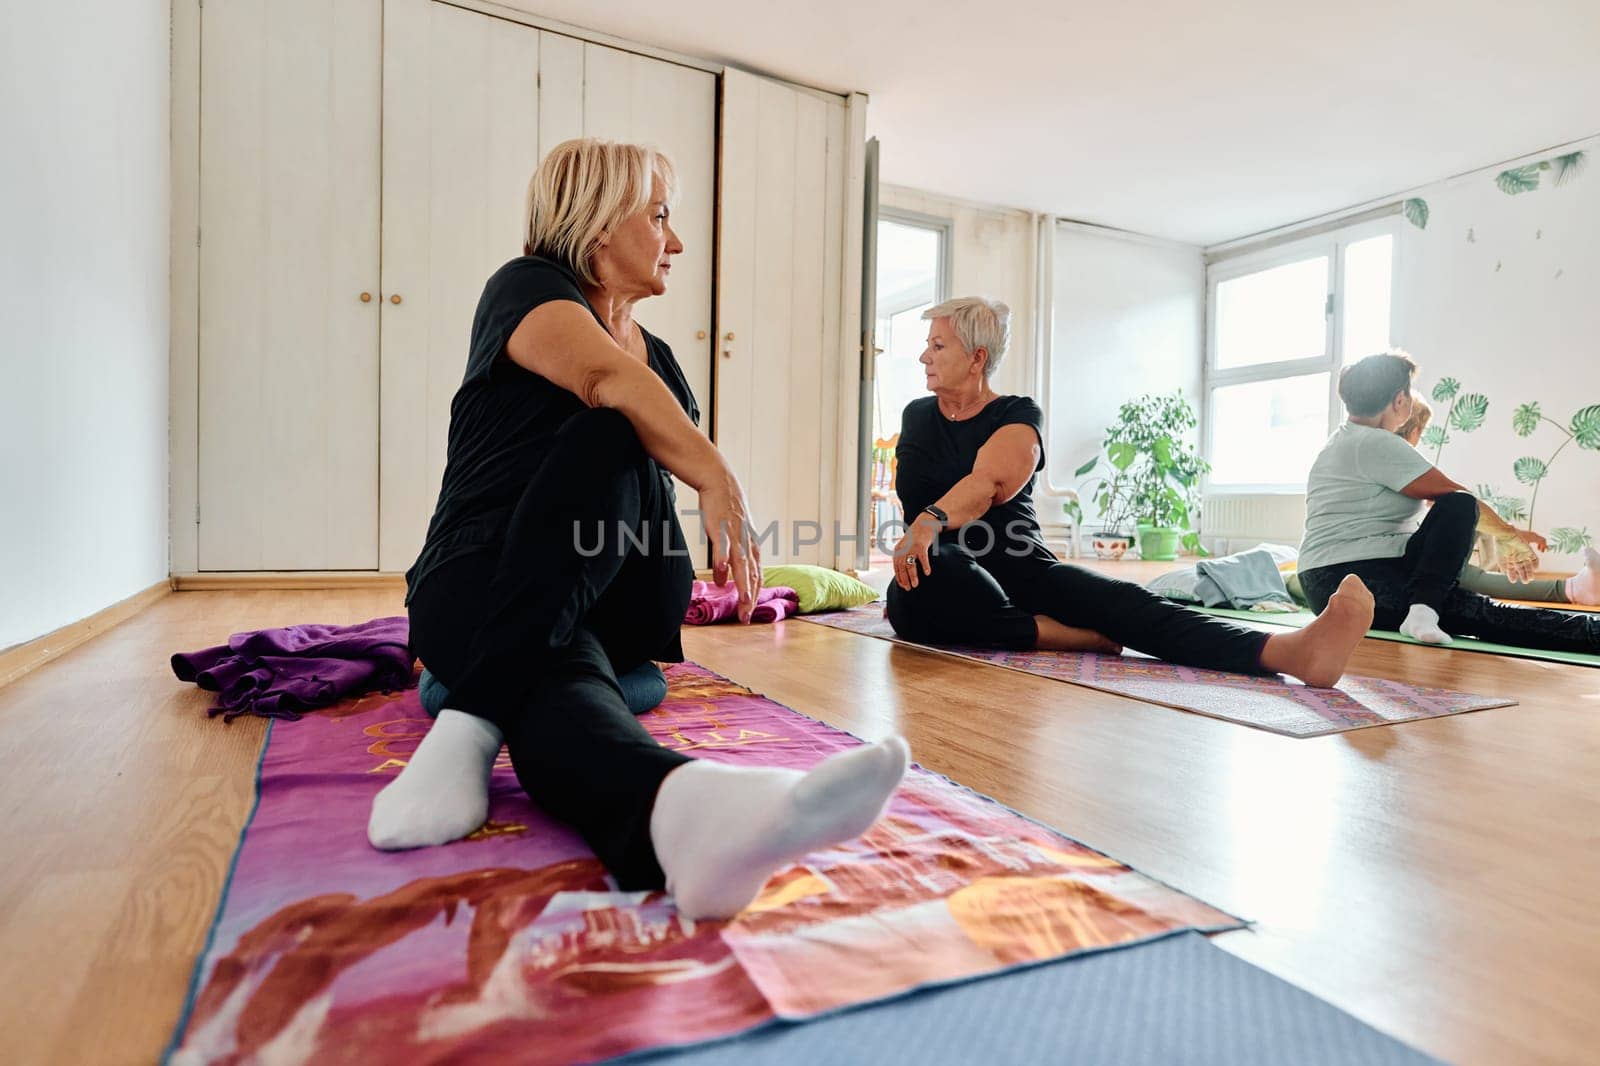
(561, 342)
(1003, 465)
(1520, 546)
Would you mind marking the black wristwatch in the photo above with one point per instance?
(944, 519)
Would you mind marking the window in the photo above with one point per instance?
(1282, 324)
(913, 274)
(912, 277)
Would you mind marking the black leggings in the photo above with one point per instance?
(1428, 573)
(989, 599)
(532, 635)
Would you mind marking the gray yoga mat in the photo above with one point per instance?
(1177, 1000)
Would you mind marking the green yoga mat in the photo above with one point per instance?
(1299, 619)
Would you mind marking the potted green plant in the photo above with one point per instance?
(1111, 492)
(1154, 474)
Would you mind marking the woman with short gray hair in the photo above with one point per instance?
(973, 567)
(979, 324)
(555, 562)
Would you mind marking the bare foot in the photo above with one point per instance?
(1053, 636)
(1318, 653)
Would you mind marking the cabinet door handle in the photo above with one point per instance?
(395, 298)
(366, 297)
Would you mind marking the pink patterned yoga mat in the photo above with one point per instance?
(1275, 704)
(514, 945)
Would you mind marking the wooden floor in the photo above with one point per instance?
(1439, 879)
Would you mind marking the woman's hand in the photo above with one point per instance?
(913, 548)
(734, 550)
(1518, 560)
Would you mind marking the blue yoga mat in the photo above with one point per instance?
(1176, 1000)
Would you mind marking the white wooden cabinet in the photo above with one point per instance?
(779, 416)
(471, 103)
(360, 170)
(460, 137)
(624, 100)
(288, 242)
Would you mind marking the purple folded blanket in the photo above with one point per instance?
(279, 673)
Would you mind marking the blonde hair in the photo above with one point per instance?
(979, 323)
(1421, 415)
(583, 189)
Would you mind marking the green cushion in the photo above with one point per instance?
(820, 589)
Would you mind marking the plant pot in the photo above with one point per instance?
(1110, 545)
(1159, 543)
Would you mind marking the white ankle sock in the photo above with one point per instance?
(1422, 623)
(1584, 586)
(442, 794)
(720, 831)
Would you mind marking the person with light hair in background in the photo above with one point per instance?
(1363, 497)
(973, 568)
(1581, 588)
(555, 563)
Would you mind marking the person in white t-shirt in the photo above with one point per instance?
(1363, 499)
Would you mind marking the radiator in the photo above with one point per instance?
(1231, 522)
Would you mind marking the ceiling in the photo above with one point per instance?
(1199, 123)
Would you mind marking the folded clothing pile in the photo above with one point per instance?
(710, 603)
(281, 673)
(1246, 581)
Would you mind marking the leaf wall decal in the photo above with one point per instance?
(1468, 413)
(1569, 166)
(1570, 541)
(1586, 427)
(1529, 469)
(1525, 419)
(1518, 179)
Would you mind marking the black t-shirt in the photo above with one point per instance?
(934, 453)
(503, 416)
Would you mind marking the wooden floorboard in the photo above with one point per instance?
(1438, 879)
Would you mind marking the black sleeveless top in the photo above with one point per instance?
(934, 453)
(503, 416)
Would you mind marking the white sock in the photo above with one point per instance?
(721, 831)
(442, 794)
(1584, 586)
(1422, 623)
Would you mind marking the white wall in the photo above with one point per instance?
(84, 319)
(992, 255)
(1503, 293)
(1129, 319)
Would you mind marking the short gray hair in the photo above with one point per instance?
(979, 323)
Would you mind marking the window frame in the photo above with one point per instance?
(1332, 245)
(944, 227)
